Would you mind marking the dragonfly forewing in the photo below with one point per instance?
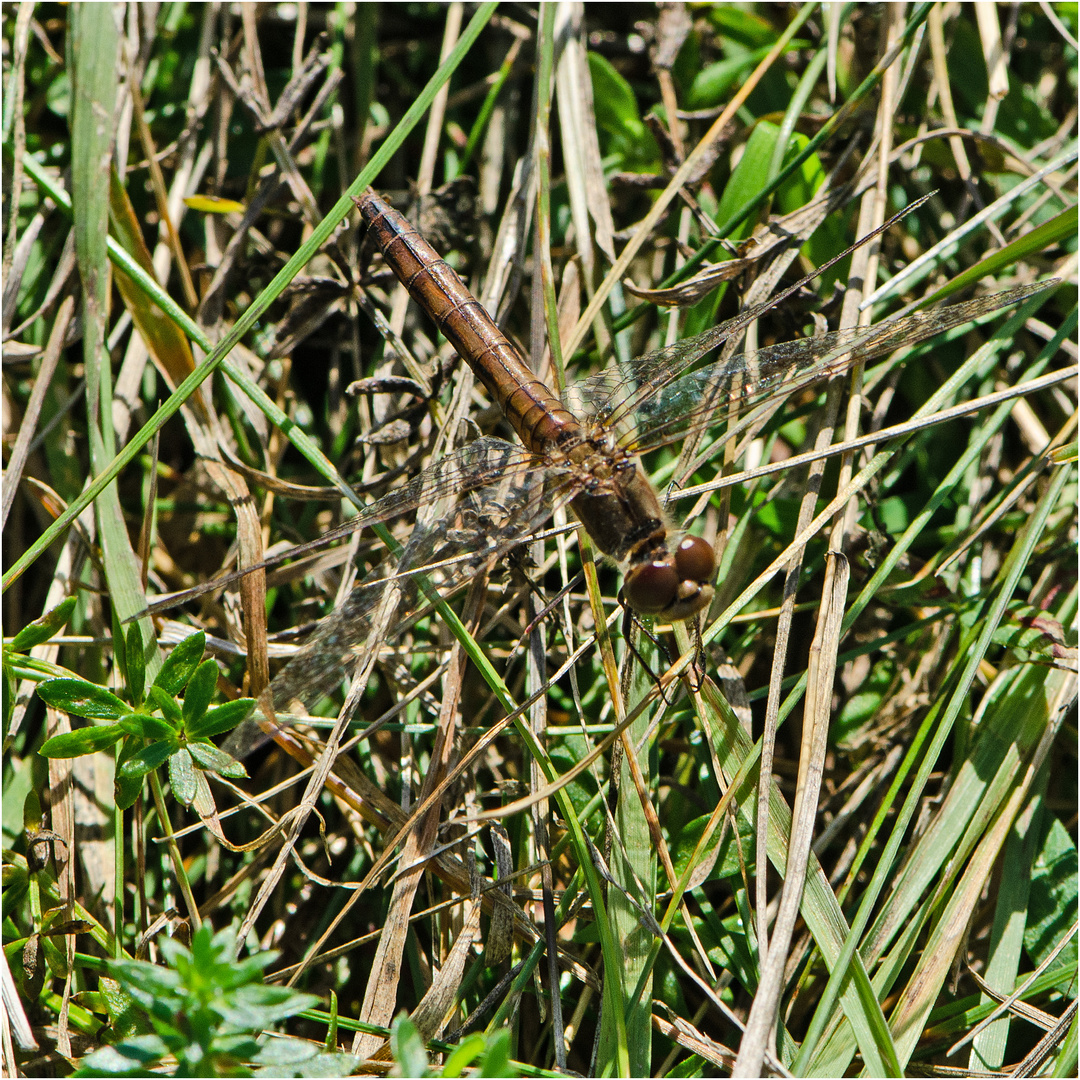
(499, 493)
(667, 408)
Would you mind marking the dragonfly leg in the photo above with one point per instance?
(699, 669)
(630, 622)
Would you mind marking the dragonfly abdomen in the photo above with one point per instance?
(535, 413)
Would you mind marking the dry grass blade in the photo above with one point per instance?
(382, 989)
(21, 449)
(821, 671)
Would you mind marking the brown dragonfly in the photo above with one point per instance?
(581, 449)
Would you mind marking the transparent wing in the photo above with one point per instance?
(484, 521)
(479, 464)
(666, 403)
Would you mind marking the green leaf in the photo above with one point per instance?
(125, 1019)
(119, 642)
(623, 134)
(58, 95)
(81, 698)
(864, 703)
(282, 1053)
(692, 1066)
(182, 776)
(135, 674)
(223, 718)
(181, 663)
(92, 45)
(464, 1054)
(1052, 905)
(93, 49)
(1032, 635)
(146, 760)
(210, 757)
(724, 856)
(259, 1006)
(408, 1048)
(295, 1057)
(132, 1057)
(9, 694)
(40, 630)
(168, 705)
(144, 726)
(88, 740)
(497, 1058)
(200, 691)
(712, 83)
(736, 24)
(126, 790)
(55, 957)
(749, 177)
(240, 1047)
(149, 983)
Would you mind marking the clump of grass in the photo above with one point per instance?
(608, 888)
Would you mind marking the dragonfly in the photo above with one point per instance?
(580, 449)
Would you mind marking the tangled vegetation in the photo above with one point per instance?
(519, 833)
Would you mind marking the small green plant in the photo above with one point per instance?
(153, 729)
(203, 1010)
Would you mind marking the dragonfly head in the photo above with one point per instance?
(675, 587)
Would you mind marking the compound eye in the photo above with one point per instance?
(651, 588)
(694, 560)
